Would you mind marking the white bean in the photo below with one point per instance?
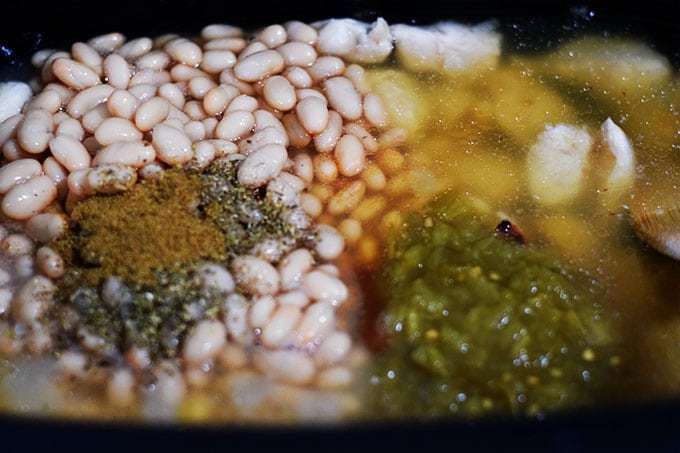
(117, 71)
(143, 91)
(88, 56)
(333, 378)
(236, 318)
(46, 227)
(156, 60)
(262, 165)
(57, 174)
(216, 31)
(343, 97)
(107, 43)
(357, 75)
(78, 184)
(223, 147)
(209, 124)
(172, 146)
(40, 57)
(325, 67)
(303, 167)
(120, 389)
(313, 114)
(35, 131)
(216, 61)
(12, 151)
(16, 244)
(298, 77)
(288, 366)
(88, 99)
(122, 104)
(195, 130)
(295, 298)
(273, 36)
(303, 93)
(204, 342)
(48, 100)
(259, 66)
(194, 110)
(17, 172)
(297, 54)
(311, 205)
(279, 93)
(117, 130)
(299, 31)
(26, 200)
(317, 322)
(49, 262)
(235, 124)
(173, 94)
(218, 98)
(329, 243)
(150, 77)
(184, 51)
(320, 286)
(151, 112)
(265, 119)
(367, 140)
(326, 140)
(255, 275)
(333, 349)
(252, 48)
(227, 77)
(285, 189)
(267, 136)
(261, 311)
(199, 86)
(216, 277)
(33, 298)
(70, 153)
(243, 102)
(136, 48)
(350, 155)
(204, 154)
(95, 117)
(280, 326)
(134, 154)
(74, 74)
(293, 267)
(235, 45)
(298, 136)
(72, 128)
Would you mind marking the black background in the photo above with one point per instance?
(26, 26)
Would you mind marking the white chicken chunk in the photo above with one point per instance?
(13, 96)
(355, 41)
(555, 163)
(617, 143)
(447, 46)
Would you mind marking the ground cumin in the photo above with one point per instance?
(154, 226)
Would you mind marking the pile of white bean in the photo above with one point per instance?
(285, 104)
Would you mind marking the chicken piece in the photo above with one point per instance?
(13, 96)
(402, 97)
(555, 163)
(447, 46)
(355, 41)
(622, 174)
